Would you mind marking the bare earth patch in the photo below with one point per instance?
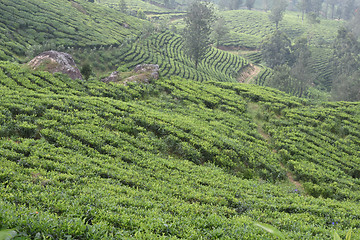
(290, 176)
(249, 74)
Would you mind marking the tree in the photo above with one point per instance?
(140, 14)
(123, 6)
(349, 9)
(354, 25)
(277, 11)
(276, 50)
(294, 77)
(332, 4)
(86, 71)
(266, 5)
(169, 3)
(346, 65)
(346, 87)
(231, 4)
(346, 53)
(282, 80)
(199, 18)
(250, 4)
(220, 30)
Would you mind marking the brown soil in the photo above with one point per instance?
(249, 74)
(290, 176)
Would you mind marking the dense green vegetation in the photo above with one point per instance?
(249, 28)
(166, 49)
(27, 27)
(192, 155)
(119, 43)
(86, 160)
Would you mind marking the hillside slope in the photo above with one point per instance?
(103, 37)
(166, 49)
(172, 159)
(28, 25)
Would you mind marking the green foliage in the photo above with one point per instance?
(250, 4)
(276, 50)
(86, 71)
(277, 233)
(231, 4)
(134, 5)
(123, 6)
(198, 20)
(140, 14)
(7, 234)
(270, 229)
(277, 11)
(220, 31)
(84, 159)
(36, 23)
(167, 50)
(248, 28)
(346, 64)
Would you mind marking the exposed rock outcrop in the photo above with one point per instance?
(152, 69)
(142, 73)
(53, 61)
(114, 77)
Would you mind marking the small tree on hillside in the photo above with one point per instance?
(354, 23)
(220, 30)
(277, 11)
(123, 6)
(276, 50)
(250, 4)
(199, 19)
(86, 71)
(346, 65)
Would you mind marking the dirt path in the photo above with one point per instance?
(290, 176)
(254, 111)
(249, 74)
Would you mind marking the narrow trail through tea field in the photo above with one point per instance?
(249, 73)
(255, 111)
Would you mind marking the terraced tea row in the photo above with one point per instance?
(250, 28)
(166, 49)
(86, 159)
(321, 147)
(26, 24)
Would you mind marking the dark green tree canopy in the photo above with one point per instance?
(277, 11)
(276, 50)
(86, 71)
(199, 20)
(346, 67)
(220, 31)
(231, 4)
(250, 4)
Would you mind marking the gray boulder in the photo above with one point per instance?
(53, 61)
(114, 76)
(142, 73)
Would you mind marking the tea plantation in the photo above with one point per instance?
(28, 25)
(166, 49)
(191, 155)
(174, 159)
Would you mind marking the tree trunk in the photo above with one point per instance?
(302, 15)
(326, 10)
